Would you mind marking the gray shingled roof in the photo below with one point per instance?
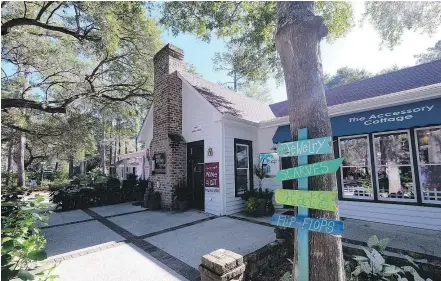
(229, 102)
(393, 82)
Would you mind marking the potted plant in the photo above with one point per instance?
(251, 206)
(182, 192)
(261, 173)
(152, 199)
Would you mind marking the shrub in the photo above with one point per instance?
(251, 205)
(373, 266)
(22, 243)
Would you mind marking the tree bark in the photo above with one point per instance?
(21, 181)
(298, 37)
(71, 167)
(8, 171)
(110, 154)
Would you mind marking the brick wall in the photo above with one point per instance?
(167, 119)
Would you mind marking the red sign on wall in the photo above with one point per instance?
(212, 174)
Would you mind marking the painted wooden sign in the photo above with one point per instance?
(321, 200)
(320, 168)
(212, 174)
(305, 147)
(310, 224)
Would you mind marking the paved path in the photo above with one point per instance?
(125, 242)
(402, 238)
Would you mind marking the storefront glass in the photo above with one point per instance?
(429, 163)
(393, 166)
(356, 172)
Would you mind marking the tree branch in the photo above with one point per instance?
(23, 130)
(23, 103)
(43, 9)
(6, 27)
(53, 11)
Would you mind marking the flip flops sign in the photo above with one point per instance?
(304, 199)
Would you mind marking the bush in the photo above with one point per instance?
(373, 266)
(22, 243)
(251, 205)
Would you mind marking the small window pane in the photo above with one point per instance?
(355, 151)
(241, 180)
(392, 148)
(242, 156)
(395, 182)
(430, 178)
(429, 145)
(356, 182)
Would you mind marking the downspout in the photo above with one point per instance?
(223, 186)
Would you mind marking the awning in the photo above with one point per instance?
(283, 134)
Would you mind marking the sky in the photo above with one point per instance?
(359, 49)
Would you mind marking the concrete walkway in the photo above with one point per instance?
(402, 238)
(125, 242)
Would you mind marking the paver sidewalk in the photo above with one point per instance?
(405, 238)
(125, 242)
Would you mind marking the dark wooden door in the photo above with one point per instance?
(195, 173)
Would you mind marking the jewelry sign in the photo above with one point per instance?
(304, 199)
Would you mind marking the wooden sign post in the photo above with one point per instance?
(303, 260)
(304, 199)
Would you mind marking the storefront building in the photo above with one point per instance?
(388, 128)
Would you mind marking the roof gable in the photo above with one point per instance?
(229, 102)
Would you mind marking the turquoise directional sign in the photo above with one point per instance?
(320, 200)
(304, 199)
(305, 147)
(307, 223)
(320, 168)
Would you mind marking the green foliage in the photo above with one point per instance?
(251, 205)
(432, 53)
(374, 267)
(346, 75)
(391, 19)
(22, 242)
(257, 91)
(96, 67)
(242, 66)
(248, 25)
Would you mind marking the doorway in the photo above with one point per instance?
(195, 173)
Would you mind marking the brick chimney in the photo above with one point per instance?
(167, 122)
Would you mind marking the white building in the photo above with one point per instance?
(387, 128)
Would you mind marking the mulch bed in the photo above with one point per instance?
(274, 274)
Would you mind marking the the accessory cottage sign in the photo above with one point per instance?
(397, 117)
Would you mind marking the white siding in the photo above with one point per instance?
(200, 121)
(407, 215)
(146, 134)
(234, 130)
(264, 145)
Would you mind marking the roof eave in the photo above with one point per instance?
(408, 96)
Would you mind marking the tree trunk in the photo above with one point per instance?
(298, 37)
(71, 167)
(110, 155)
(21, 181)
(8, 171)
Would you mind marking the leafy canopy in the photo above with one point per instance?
(251, 25)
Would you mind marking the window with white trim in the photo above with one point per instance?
(428, 141)
(356, 176)
(242, 168)
(393, 166)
